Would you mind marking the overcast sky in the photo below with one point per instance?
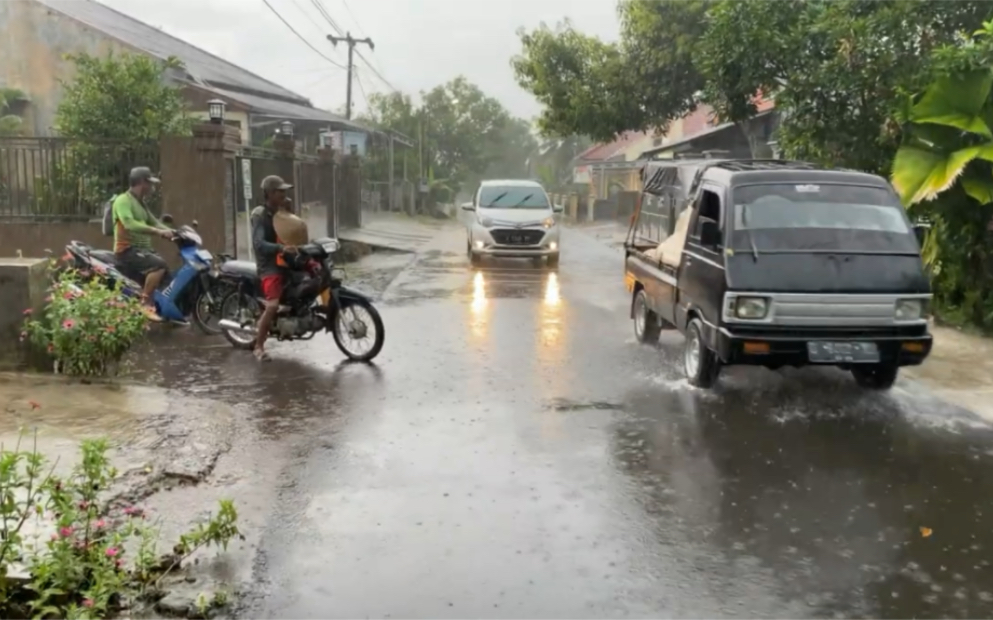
(419, 43)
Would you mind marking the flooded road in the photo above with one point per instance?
(515, 453)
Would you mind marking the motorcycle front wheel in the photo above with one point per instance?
(245, 310)
(358, 330)
(207, 314)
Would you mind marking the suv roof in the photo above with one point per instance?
(510, 183)
(686, 174)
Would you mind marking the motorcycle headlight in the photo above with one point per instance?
(548, 222)
(908, 309)
(754, 308)
(485, 222)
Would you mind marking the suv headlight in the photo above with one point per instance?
(908, 309)
(485, 222)
(548, 222)
(754, 308)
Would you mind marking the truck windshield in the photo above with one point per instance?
(830, 217)
(512, 197)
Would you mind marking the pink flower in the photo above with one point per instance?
(66, 532)
(87, 602)
(83, 505)
(24, 336)
(55, 537)
(68, 324)
(67, 295)
(111, 552)
(100, 524)
(48, 299)
(28, 311)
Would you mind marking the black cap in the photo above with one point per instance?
(143, 173)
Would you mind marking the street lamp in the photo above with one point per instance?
(286, 128)
(215, 110)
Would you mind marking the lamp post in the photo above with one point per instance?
(215, 110)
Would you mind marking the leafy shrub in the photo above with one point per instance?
(82, 570)
(87, 327)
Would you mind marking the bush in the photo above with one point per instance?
(87, 327)
(82, 570)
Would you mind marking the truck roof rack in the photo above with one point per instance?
(686, 174)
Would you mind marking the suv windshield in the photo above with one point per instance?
(812, 217)
(512, 197)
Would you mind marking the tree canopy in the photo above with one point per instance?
(837, 69)
(464, 134)
(10, 124)
(122, 98)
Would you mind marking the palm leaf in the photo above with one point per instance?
(978, 186)
(957, 101)
(921, 174)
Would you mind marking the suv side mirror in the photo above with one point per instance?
(710, 233)
(557, 209)
(468, 206)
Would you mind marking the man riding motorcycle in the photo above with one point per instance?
(134, 227)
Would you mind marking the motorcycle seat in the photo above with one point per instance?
(104, 256)
(241, 268)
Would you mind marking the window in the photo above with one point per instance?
(709, 206)
(843, 207)
(512, 197)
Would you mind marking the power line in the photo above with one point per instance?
(299, 36)
(327, 16)
(352, 15)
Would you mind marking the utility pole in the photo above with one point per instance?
(351, 63)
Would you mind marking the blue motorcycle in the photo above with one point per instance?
(192, 291)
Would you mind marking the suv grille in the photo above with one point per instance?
(517, 236)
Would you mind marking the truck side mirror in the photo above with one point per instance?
(468, 206)
(920, 231)
(710, 233)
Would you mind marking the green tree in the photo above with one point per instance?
(123, 98)
(838, 70)
(944, 171)
(598, 89)
(10, 124)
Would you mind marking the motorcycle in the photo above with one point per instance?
(310, 304)
(190, 292)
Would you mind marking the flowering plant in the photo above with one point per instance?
(86, 326)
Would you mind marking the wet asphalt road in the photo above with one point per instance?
(515, 453)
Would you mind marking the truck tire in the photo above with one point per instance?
(875, 376)
(646, 323)
(701, 365)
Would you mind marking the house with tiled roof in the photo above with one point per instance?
(35, 36)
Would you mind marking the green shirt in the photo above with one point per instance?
(134, 225)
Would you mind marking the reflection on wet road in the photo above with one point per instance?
(516, 454)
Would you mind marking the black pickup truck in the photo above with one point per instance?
(775, 263)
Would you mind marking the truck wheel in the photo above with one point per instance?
(700, 363)
(646, 323)
(875, 376)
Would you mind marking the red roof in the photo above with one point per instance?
(606, 150)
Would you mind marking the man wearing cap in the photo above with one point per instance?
(134, 227)
(267, 252)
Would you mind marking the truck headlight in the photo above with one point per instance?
(485, 222)
(754, 308)
(908, 309)
(548, 222)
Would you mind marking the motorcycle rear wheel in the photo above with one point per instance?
(343, 335)
(206, 314)
(240, 307)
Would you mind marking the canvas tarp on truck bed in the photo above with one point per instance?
(670, 251)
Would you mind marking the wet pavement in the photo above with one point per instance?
(515, 453)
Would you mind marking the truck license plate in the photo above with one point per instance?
(843, 352)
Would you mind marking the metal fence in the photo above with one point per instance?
(57, 178)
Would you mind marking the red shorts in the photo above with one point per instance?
(272, 287)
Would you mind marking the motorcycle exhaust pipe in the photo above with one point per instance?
(236, 327)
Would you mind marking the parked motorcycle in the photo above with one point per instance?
(189, 292)
(310, 304)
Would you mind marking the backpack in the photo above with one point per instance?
(108, 217)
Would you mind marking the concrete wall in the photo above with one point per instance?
(33, 41)
(23, 284)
